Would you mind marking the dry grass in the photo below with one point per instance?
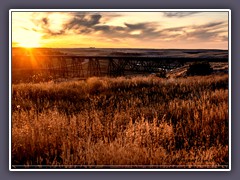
(119, 122)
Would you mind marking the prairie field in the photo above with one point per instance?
(143, 122)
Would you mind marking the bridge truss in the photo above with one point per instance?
(87, 66)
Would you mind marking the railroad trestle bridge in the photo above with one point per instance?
(87, 66)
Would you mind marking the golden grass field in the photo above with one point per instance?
(122, 122)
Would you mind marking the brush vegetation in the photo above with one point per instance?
(122, 122)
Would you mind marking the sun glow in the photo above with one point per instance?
(31, 42)
(28, 39)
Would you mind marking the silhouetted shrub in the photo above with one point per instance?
(162, 73)
(199, 68)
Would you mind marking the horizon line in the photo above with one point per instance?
(118, 48)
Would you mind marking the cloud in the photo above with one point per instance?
(137, 26)
(79, 22)
(45, 21)
(83, 20)
(96, 24)
(212, 25)
(90, 23)
(145, 30)
(178, 14)
(174, 29)
(103, 28)
(44, 25)
(224, 38)
(207, 31)
(150, 31)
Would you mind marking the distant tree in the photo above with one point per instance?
(199, 68)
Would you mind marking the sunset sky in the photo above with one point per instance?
(183, 30)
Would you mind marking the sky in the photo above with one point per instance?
(157, 30)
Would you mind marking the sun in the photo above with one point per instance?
(28, 39)
(30, 43)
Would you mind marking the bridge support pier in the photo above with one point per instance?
(76, 67)
(116, 67)
(93, 67)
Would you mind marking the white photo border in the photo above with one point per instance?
(117, 10)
